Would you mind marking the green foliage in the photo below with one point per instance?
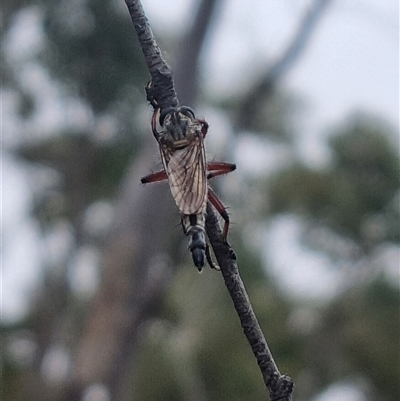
(361, 183)
(88, 170)
(360, 333)
(366, 172)
(276, 114)
(157, 378)
(91, 49)
(12, 380)
(301, 190)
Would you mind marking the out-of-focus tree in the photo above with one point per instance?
(351, 213)
(356, 197)
(98, 80)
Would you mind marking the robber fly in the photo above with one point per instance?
(181, 143)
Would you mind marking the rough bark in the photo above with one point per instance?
(280, 387)
(161, 91)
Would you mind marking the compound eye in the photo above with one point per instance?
(187, 111)
(164, 114)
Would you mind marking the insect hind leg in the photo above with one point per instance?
(221, 209)
(210, 260)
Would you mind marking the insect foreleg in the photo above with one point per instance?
(154, 123)
(204, 127)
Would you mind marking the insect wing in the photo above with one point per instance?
(186, 170)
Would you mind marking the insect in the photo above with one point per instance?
(181, 143)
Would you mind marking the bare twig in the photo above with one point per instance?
(280, 387)
(161, 91)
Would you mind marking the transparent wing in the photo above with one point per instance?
(186, 170)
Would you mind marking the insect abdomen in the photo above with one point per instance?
(197, 246)
(193, 225)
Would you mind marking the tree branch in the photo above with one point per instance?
(280, 387)
(161, 91)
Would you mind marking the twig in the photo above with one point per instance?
(161, 89)
(280, 387)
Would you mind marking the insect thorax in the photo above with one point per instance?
(179, 130)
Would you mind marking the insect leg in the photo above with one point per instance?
(204, 127)
(154, 177)
(221, 209)
(154, 123)
(219, 168)
(209, 258)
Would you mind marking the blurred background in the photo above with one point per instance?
(100, 299)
